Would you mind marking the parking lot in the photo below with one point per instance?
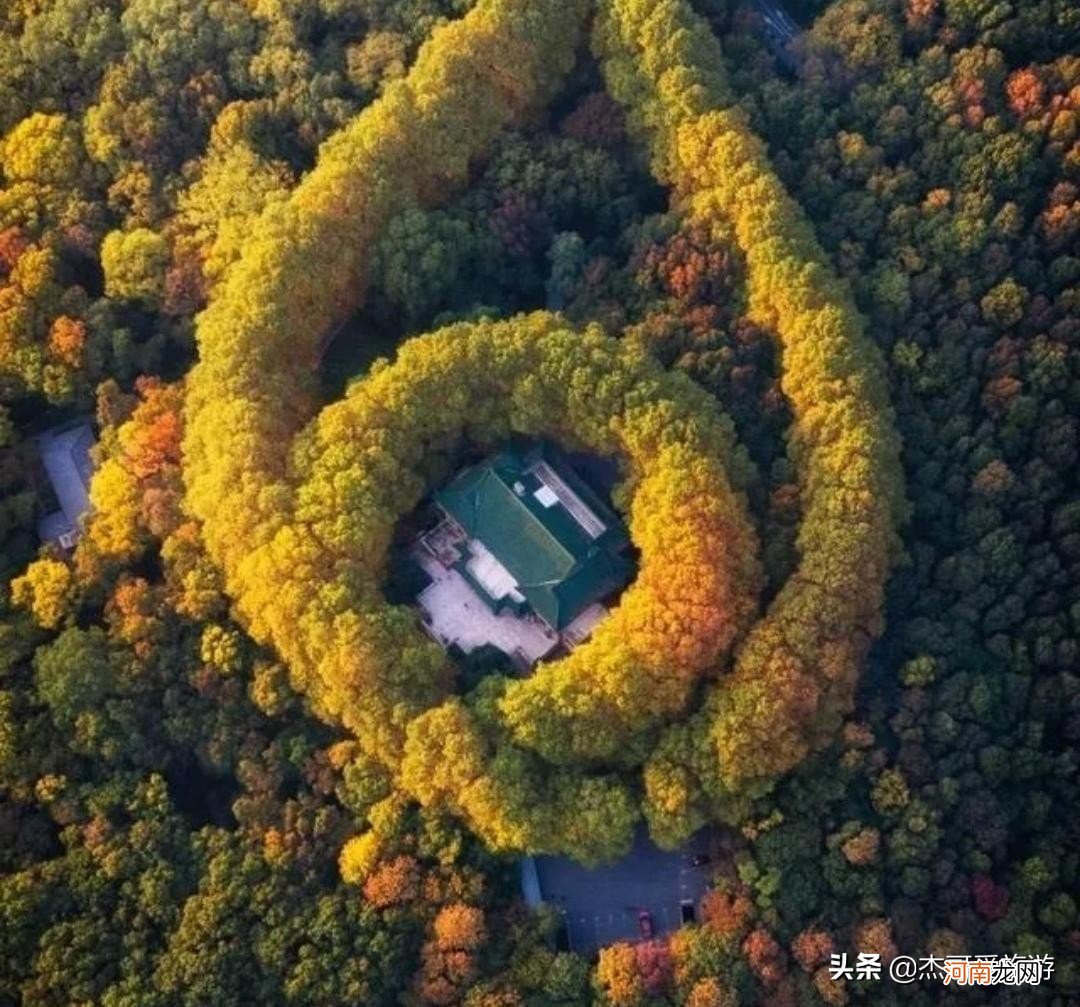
(601, 905)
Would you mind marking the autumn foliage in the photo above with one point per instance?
(370, 665)
(795, 675)
(301, 517)
(234, 771)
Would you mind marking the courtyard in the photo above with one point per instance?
(455, 615)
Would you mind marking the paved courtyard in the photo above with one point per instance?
(455, 614)
(601, 905)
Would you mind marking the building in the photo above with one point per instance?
(65, 457)
(523, 558)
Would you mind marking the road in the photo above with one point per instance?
(780, 29)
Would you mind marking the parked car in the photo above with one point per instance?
(645, 924)
(687, 911)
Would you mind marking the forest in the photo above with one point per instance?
(292, 261)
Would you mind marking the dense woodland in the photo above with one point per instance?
(826, 311)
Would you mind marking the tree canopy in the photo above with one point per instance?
(808, 312)
(303, 535)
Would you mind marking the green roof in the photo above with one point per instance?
(560, 567)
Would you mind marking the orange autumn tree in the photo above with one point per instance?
(617, 979)
(448, 961)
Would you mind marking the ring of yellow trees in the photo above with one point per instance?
(299, 509)
(795, 675)
(367, 460)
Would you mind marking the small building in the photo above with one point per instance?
(523, 558)
(65, 457)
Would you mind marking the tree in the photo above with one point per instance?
(460, 927)
(394, 882)
(710, 993)
(235, 185)
(47, 589)
(359, 858)
(617, 979)
(43, 149)
(135, 264)
(74, 674)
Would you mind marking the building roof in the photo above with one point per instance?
(561, 545)
(65, 456)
